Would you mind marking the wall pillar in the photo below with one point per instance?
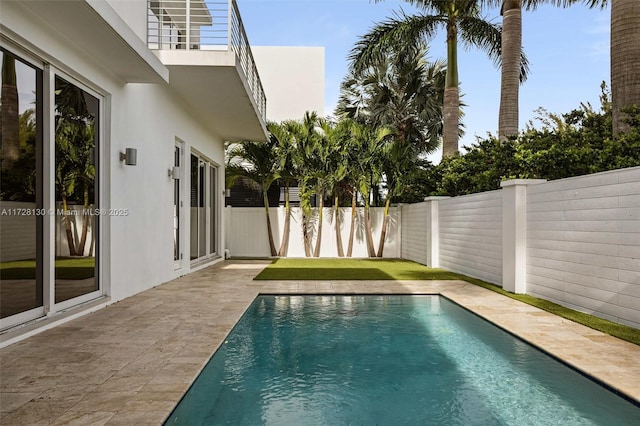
(514, 234)
(433, 230)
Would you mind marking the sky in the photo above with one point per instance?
(568, 51)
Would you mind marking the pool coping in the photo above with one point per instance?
(132, 361)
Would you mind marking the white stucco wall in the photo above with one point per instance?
(293, 80)
(134, 13)
(136, 249)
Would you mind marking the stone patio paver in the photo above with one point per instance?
(131, 362)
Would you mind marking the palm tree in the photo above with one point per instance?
(337, 178)
(285, 144)
(257, 162)
(514, 67)
(404, 92)
(625, 59)
(10, 126)
(306, 138)
(624, 56)
(461, 18)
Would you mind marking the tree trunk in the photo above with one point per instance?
(336, 206)
(385, 221)
(10, 115)
(316, 251)
(67, 227)
(354, 214)
(85, 221)
(367, 231)
(510, 69)
(451, 94)
(272, 245)
(625, 59)
(284, 244)
(305, 234)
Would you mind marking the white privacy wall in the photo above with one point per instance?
(470, 229)
(583, 245)
(415, 220)
(246, 232)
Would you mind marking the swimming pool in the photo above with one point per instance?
(387, 360)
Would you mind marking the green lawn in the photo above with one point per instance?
(66, 269)
(395, 269)
(351, 269)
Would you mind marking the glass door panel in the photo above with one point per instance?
(212, 210)
(176, 210)
(21, 202)
(76, 142)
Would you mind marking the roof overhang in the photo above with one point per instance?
(96, 29)
(213, 84)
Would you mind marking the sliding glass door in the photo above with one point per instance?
(203, 232)
(50, 133)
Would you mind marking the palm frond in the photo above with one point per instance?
(401, 30)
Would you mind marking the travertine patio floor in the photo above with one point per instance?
(130, 362)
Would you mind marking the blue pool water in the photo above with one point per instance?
(387, 360)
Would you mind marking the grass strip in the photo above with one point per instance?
(351, 269)
(66, 269)
(398, 269)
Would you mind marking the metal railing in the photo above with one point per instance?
(204, 25)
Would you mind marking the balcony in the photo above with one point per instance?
(204, 45)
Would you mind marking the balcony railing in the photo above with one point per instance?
(204, 25)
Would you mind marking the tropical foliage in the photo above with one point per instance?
(461, 19)
(557, 146)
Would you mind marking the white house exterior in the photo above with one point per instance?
(104, 78)
(293, 79)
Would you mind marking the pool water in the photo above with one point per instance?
(387, 360)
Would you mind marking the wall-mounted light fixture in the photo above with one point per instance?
(130, 156)
(227, 192)
(174, 172)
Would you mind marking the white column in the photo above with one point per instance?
(433, 231)
(514, 234)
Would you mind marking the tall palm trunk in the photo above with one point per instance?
(336, 205)
(385, 221)
(284, 244)
(316, 251)
(10, 117)
(367, 228)
(354, 214)
(306, 235)
(625, 59)
(272, 245)
(510, 69)
(67, 226)
(451, 94)
(85, 221)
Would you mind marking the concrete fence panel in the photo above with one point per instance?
(470, 233)
(583, 245)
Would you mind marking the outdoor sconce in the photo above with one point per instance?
(227, 192)
(174, 173)
(130, 156)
